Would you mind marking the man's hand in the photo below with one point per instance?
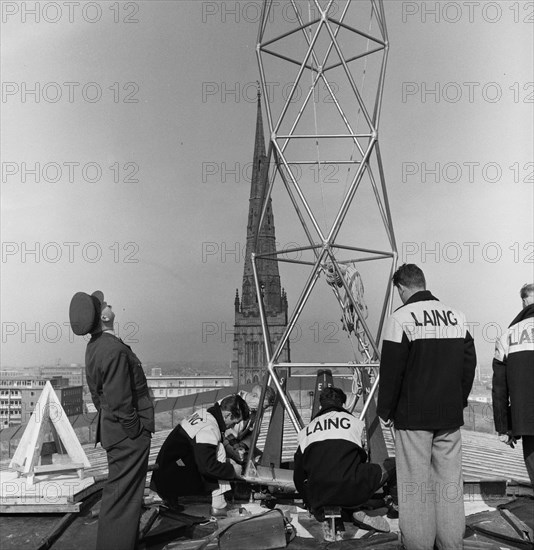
(388, 423)
(508, 439)
(235, 452)
(237, 469)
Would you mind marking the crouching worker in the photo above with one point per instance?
(238, 440)
(331, 467)
(192, 460)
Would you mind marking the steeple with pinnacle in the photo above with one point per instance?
(249, 355)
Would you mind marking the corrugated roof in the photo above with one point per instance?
(485, 458)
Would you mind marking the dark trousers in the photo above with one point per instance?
(528, 455)
(369, 471)
(122, 497)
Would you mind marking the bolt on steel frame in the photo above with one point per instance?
(323, 245)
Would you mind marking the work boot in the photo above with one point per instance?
(328, 534)
(393, 508)
(376, 523)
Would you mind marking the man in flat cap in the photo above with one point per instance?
(125, 419)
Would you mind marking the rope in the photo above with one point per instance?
(315, 124)
(351, 321)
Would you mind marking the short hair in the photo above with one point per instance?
(410, 276)
(237, 406)
(332, 397)
(526, 291)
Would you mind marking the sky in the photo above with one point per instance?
(127, 135)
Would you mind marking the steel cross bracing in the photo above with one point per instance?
(332, 42)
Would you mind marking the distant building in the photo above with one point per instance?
(18, 397)
(74, 373)
(249, 360)
(71, 399)
(164, 387)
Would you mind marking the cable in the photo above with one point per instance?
(362, 89)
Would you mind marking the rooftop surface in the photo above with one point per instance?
(485, 460)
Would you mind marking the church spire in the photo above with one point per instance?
(249, 358)
(257, 187)
(267, 269)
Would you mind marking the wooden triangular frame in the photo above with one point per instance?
(48, 411)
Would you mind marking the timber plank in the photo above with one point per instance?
(17, 508)
(51, 494)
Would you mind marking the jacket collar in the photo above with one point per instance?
(97, 335)
(421, 296)
(217, 414)
(523, 314)
(330, 409)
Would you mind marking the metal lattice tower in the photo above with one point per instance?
(337, 49)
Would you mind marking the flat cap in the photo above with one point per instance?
(84, 312)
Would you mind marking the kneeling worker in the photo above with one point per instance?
(331, 467)
(238, 440)
(192, 460)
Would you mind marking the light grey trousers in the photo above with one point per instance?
(430, 485)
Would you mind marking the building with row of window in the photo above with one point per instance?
(165, 386)
(18, 397)
(74, 373)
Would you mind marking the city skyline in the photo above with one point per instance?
(127, 142)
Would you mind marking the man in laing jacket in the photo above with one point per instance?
(427, 367)
(192, 460)
(513, 381)
(331, 467)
